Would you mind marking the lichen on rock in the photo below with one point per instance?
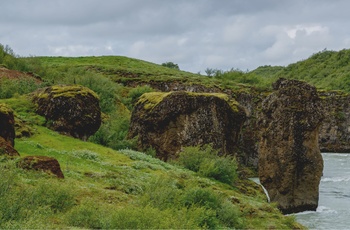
(167, 122)
(72, 110)
(290, 162)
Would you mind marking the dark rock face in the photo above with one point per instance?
(169, 121)
(7, 131)
(335, 130)
(70, 110)
(7, 124)
(334, 133)
(42, 163)
(290, 163)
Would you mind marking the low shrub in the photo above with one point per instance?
(113, 132)
(9, 88)
(223, 169)
(86, 154)
(206, 161)
(193, 156)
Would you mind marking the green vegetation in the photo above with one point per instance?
(110, 185)
(151, 100)
(104, 188)
(8, 59)
(10, 88)
(171, 65)
(327, 70)
(206, 161)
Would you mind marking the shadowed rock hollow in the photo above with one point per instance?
(290, 162)
(7, 124)
(71, 110)
(169, 121)
(7, 131)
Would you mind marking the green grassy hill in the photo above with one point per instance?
(327, 70)
(105, 188)
(109, 185)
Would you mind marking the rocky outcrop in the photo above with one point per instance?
(290, 163)
(7, 149)
(71, 110)
(7, 131)
(335, 129)
(334, 133)
(170, 121)
(41, 163)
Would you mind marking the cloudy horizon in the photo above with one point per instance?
(195, 34)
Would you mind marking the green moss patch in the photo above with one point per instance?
(5, 109)
(151, 100)
(71, 91)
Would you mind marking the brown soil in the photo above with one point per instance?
(14, 75)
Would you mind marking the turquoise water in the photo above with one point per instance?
(333, 211)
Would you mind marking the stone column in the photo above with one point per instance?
(290, 162)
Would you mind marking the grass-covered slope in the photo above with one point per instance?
(328, 70)
(105, 188)
(129, 71)
(117, 66)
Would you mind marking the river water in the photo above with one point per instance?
(333, 210)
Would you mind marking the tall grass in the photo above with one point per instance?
(10, 88)
(206, 161)
(163, 205)
(23, 205)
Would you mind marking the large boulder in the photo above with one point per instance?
(71, 110)
(45, 164)
(290, 162)
(167, 122)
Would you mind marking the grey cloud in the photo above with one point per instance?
(195, 34)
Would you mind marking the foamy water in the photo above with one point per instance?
(333, 211)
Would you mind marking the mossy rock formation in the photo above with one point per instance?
(290, 162)
(169, 121)
(70, 110)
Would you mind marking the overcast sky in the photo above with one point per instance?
(195, 34)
